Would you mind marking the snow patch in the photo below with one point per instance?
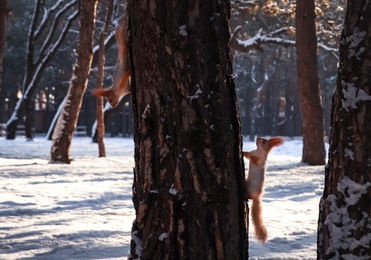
(340, 224)
(173, 190)
(183, 30)
(352, 95)
(353, 41)
(163, 236)
(349, 153)
(195, 95)
(138, 243)
(146, 111)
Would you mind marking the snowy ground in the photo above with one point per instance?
(84, 210)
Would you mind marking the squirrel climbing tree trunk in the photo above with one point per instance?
(189, 172)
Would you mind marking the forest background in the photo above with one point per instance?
(263, 45)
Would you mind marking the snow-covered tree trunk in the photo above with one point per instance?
(188, 181)
(66, 124)
(344, 226)
(308, 83)
(41, 29)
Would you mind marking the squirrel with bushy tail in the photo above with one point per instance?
(121, 84)
(254, 183)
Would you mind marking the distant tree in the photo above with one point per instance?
(46, 33)
(108, 113)
(4, 11)
(266, 29)
(344, 226)
(67, 120)
(100, 77)
(188, 180)
(308, 83)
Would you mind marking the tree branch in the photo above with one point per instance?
(52, 31)
(49, 54)
(256, 42)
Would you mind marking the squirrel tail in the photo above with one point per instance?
(102, 92)
(257, 220)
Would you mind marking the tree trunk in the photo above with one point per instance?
(99, 100)
(67, 120)
(4, 11)
(36, 62)
(52, 125)
(344, 229)
(309, 92)
(189, 173)
(11, 125)
(108, 112)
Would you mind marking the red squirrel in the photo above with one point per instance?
(254, 183)
(121, 85)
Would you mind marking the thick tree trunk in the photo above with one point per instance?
(309, 92)
(344, 229)
(188, 181)
(67, 120)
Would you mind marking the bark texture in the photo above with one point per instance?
(309, 91)
(67, 120)
(189, 172)
(344, 225)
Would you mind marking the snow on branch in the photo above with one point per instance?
(256, 42)
(53, 48)
(52, 31)
(45, 18)
(42, 23)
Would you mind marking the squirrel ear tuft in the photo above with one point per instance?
(276, 141)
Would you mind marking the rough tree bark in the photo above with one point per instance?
(309, 91)
(66, 124)
(188, 180)
(344, 226)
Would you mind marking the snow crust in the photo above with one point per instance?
(353, 42)
(183, 30)
(352, 95)
(84, 210)
(341, 225)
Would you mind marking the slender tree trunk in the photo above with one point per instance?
(108, 112)
(309, 91)
(344, 226)
(189, 172)
(37, 62)
(11, 125)
(67, 120)
(99, 102)
(4, 11)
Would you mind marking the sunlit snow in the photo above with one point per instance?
(84, 210)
